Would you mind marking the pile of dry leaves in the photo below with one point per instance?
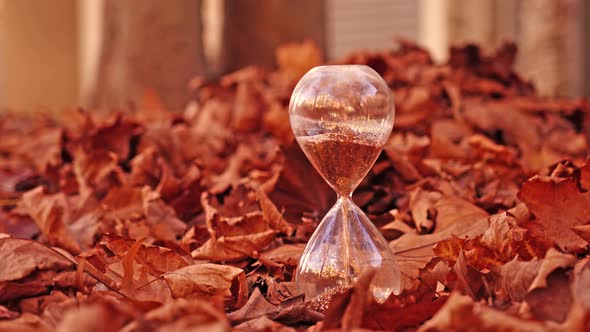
(149, 220)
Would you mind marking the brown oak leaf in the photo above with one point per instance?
(559, 207)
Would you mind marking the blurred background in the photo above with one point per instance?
(56, 54)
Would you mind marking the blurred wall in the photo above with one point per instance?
(353, 25)
(39, 45)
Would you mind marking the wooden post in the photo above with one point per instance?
(253, 29)
(148, 45)
(586, 41)
(549, 45)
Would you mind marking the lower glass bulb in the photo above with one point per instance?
(345, 244)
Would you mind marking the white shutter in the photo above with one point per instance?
(368, 24)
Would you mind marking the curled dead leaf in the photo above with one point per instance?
(22, 257)
(205, 281)
(515, 279)
(51, 213)
(232, 248)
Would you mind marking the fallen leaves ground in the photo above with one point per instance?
(147, 220)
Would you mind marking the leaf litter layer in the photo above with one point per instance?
(148, 220)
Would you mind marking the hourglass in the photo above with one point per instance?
(341, 117)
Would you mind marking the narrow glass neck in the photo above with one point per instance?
(341, 195)
(344, 200)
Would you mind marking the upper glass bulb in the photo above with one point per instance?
(341, 117)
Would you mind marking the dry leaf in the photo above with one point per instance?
(230, 248)
(203, 281)
(515, 278)
(559, 206)
(256, 307)
(296, 59)
(415, 251)
(51, 214)
(183, 316)
(460, 313)
(263, 324)
(21, 257)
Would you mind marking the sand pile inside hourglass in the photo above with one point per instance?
(342, 117)
(341, 158)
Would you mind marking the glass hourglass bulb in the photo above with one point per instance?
(341, 117)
